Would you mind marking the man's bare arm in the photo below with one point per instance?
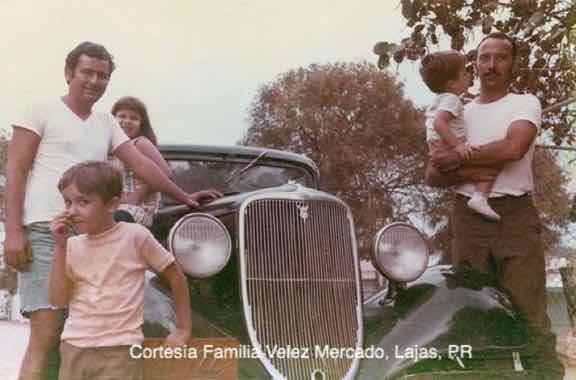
(145, 147)
(513, 147)
(21, 153)
(519, 138)
(146, 169)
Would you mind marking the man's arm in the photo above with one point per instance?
(181, 296)
(513, 147)
(519, 137)
(144, 146)
(21, 153)
(144, 168)
(148, 149)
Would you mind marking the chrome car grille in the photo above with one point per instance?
(300, 287)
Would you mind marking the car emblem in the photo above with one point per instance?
(303, 211)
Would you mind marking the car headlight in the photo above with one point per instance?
(201, 244)
(400, 252)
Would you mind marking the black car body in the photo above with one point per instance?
(290, 288)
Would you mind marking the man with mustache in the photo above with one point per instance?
(503, 126)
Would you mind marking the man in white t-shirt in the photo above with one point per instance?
(504, 126)
(48, 139)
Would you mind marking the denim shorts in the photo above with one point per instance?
(33, 281)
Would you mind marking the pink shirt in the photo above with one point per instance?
(107, 271)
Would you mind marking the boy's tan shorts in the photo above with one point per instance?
(98, 363)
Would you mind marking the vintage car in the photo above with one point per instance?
(275, 264)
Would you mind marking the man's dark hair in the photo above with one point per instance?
(501, 36)
(91, 50)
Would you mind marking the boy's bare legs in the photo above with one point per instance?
(41, 360)
(479, 201)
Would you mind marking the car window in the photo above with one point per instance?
(195, 175)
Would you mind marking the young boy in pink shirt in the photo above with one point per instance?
(98, 274)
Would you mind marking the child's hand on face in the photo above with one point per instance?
(177, 338)
(59, 228)
(465, 151)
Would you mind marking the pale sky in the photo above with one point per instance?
(196, 64)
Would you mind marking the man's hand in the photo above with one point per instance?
(177, 338)
(21, 153)
(16, 250)
(465, 151)
(204, 196)
(59, 228)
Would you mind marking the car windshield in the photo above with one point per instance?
(234, 177)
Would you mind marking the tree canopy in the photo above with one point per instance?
(543, 30)
(366, 137)
(551, 197)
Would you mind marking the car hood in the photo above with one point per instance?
(441, 309)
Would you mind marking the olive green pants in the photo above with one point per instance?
(510, 249)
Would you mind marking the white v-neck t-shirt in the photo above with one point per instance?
(65, 141)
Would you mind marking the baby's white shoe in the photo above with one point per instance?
(481, 206)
